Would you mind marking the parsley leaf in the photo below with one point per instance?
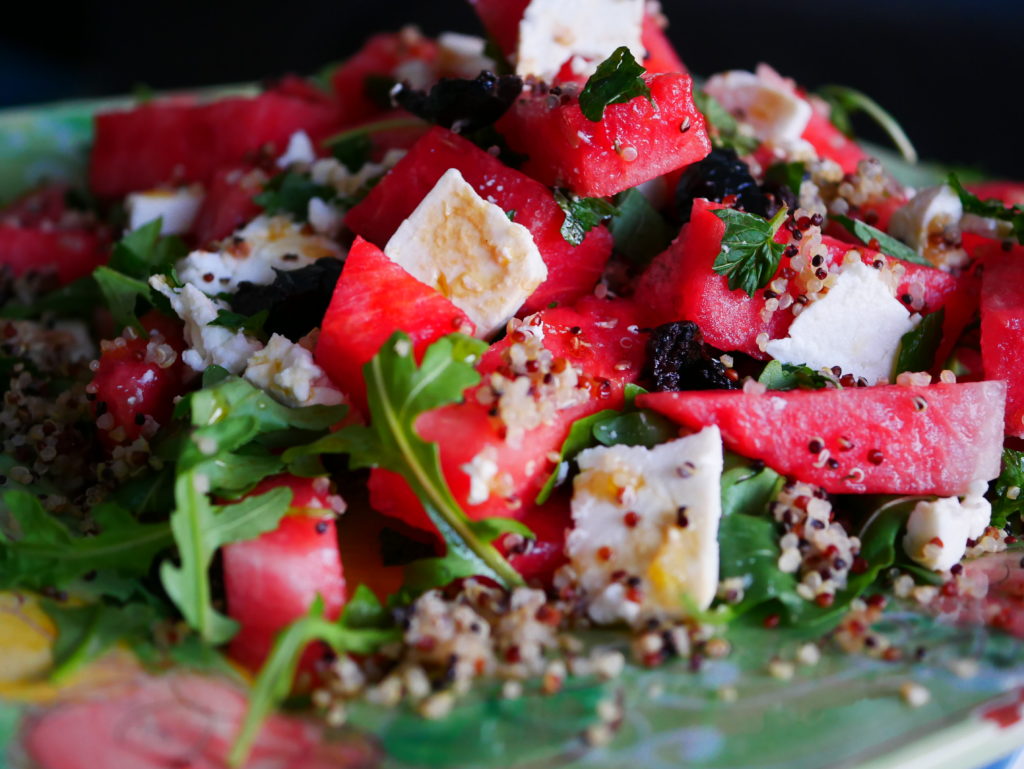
(845, 101)
(990, 209)
(786, 376)
(1010, 482)
(399, 391)
(617, 80)
(290, 193)
(582, 215)
(640, 232)
(723, 127)
(749, 255)
(919, 345)
(38, 551)
(887, 244)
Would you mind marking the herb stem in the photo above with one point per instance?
(372, 128)
(852, 99)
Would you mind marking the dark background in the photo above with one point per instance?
(952, 72)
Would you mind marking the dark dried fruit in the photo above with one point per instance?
(718, 176)
(678, 359)
(462, 105)
(296, 301)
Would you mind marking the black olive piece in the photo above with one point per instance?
(715, 177)
(678, 359)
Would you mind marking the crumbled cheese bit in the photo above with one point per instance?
(765, 101)
(482, 470)
(286, 371)
(300, 151)
(463, 55)
(175, 208)
(938, 531)
(930, 224)
(467, 249)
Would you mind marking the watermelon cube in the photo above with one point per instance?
(228, 204)
(863, 440)
(1002, 328)
(572, 270)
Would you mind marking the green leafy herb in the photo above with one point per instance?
(786, 376)
(919, 345)
(637, 428)
(865, 233)
(724, 128)
(990, 209)
(617, 80)
(85, 633)
(251, 324)
(42, 552)
(122, 294)
(77, 299)
(789, 175)
(144, 251)
(511, 214)
(640, 232)
(582, 215)
(1007, 491)
(353, 151)
(350, 634)
(290, 193)
(846, 101)
(398, 393)
(749, 256)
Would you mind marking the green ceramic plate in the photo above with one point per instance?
(843, 712)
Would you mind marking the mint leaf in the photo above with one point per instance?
(872, 237)
(845, 101)
(723, 128)
(399, 391)
(290, 193)
(990, 209)
(582, 215)
(786, 376)
(749, 256)
(640, 232)
(919, 345)
(38, 551)
(274, 682)
(1007, 491)
(617, 80)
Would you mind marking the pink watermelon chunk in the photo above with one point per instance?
(375, 297)
(228, 204)
(680, 284)
(600, 338)
(879, 440)
(829, 142)
(572, 270)
(633, 143)
(1002, 329)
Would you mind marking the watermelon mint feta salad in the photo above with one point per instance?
(387, 381)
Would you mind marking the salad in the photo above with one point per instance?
(499, 363)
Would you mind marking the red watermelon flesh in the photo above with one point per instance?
(375, 297)
(829, 142)
(272, 580)
(539, 558)
(681, 285)
(633, 143)
(929, 440)
(600, 338)
(572, 270)
(1002, 328)
(228, 204)
(1009, 193)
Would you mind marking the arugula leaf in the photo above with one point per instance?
(398, 393)
(143, 251)
(640, 232)
(749, 256)
(724, 128)
(582, 215)
(616, 80)
(41, 552)
(251, 324)
(1007, 491)
(122, 294)
(789, 175)
(919, 345)
(353, 151)
(786, 376)
(84, 633)
(290, 193)
(887, 244)
(274, 681)
(845, 101)
(990, 209)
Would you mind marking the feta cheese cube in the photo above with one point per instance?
(299, 151)
(857, 326)
(938, 530)
(176, 209)
(554, 31)
(651, 515)
(463, 55)
(930, 215)
(286, 371)
(266, 244)
(467, 249)
(765, 101)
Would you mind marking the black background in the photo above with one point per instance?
(951, 72)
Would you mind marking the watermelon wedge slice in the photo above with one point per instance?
(1002, 328)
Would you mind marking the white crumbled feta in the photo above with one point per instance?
(765, 101)
(931, 216)
(176, 209)
(324, 217)
(300, 151)
(286, 371)
(467, 249)
(482, 470)
(645, 527)
(253, 253)
(937, 531)
(554, 31)
(463, 55)
(857, 326)
(208, 345)
(331, 172)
